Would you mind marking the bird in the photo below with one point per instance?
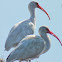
(23, 28)
(32, 46)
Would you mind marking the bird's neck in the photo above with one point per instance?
(32, 15)
(47, 41)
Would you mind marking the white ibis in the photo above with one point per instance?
(32, 46)
(23, 28)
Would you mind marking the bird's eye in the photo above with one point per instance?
(47, 29)
(36, 3)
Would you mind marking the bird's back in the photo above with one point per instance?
(30, 48)
(18, 32)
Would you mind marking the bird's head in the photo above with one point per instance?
(45, 29)
(34, 4)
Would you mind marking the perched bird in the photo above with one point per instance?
(32, 46)
(23, 28)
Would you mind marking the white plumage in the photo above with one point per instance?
(18, 32)
(32, 46)
(23, 28)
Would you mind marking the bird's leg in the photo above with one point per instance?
(29, 60)
(26, 60)
(20, 60)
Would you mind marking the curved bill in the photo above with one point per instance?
(55, 36)
(43, 10)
